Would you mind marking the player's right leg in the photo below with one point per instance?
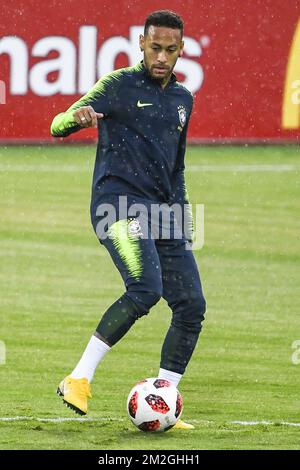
(137, 260)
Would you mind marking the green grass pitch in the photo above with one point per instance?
(56, 281)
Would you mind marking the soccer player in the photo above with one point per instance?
(142, 114)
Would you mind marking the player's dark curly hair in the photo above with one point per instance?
(165, 18)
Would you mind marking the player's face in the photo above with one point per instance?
(162, 46)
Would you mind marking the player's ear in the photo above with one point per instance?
(142, 42)
(181, 48)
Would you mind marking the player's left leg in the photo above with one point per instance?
(183, 291)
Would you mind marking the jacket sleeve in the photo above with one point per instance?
(100, 97)
(180, 193)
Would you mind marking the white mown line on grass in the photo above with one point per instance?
(95, 420)
(57, 420)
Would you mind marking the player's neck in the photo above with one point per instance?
(165, 82)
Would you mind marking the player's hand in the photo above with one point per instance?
(86, 116)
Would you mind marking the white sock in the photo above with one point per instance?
(169, 375)
(93, 354)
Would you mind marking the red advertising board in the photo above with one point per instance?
(241, 60)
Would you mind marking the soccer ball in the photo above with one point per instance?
(154, 405)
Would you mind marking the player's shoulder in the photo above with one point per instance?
(119, 75)
(124, 72)
(182, 89)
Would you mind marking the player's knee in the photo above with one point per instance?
(200, 309)
(190, 315)
(201, 305)
(145, 300)
(197, 311)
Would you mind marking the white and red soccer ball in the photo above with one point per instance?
(154, 405)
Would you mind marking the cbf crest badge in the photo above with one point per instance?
(182, 115)
(134, 228)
